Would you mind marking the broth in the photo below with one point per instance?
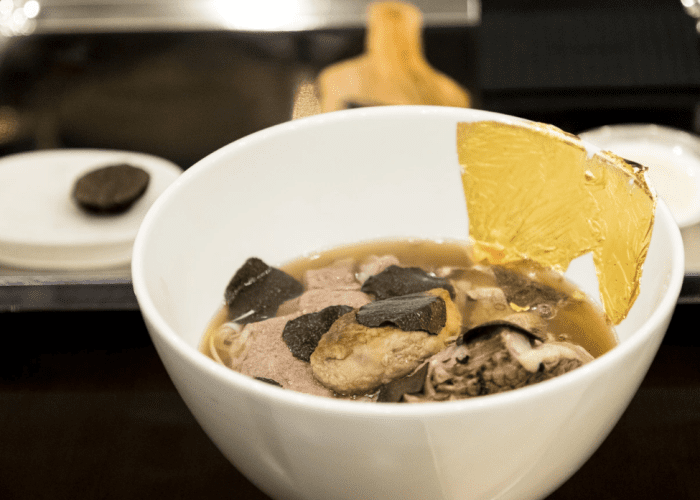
(578, 321)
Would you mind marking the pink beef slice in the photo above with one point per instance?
(331, 286)
(316, 299)
(338, 276)
(269, 357)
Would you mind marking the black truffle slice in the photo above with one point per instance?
(525, 292)
(395, 281)
(268, 381)
(110, 190)
(415, 312)
(491, 327)
(256, 291)
(410, 384)
(303, 333)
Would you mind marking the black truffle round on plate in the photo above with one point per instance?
(110, 190)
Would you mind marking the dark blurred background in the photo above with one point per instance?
(181, 95)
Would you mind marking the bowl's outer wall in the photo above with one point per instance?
(522, 451)
(402, 181)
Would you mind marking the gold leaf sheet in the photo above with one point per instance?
(533, 193)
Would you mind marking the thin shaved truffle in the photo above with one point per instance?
(395, 281)
(256, 291)
(524, 292)
(414, 312)
(303, 333)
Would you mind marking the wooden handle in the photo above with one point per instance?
(392, 70)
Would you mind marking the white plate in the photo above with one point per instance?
(41, 227)
(673, 158)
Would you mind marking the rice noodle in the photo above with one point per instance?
(213, 352)
(229, 344)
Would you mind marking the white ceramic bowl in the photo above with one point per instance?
(341, 178)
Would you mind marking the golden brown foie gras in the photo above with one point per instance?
(353, 359)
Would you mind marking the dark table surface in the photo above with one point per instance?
(86, 407)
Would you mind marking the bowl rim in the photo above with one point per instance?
(254, 388)
(607, 136)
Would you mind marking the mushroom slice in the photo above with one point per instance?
(498, 356)
(547, 356)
